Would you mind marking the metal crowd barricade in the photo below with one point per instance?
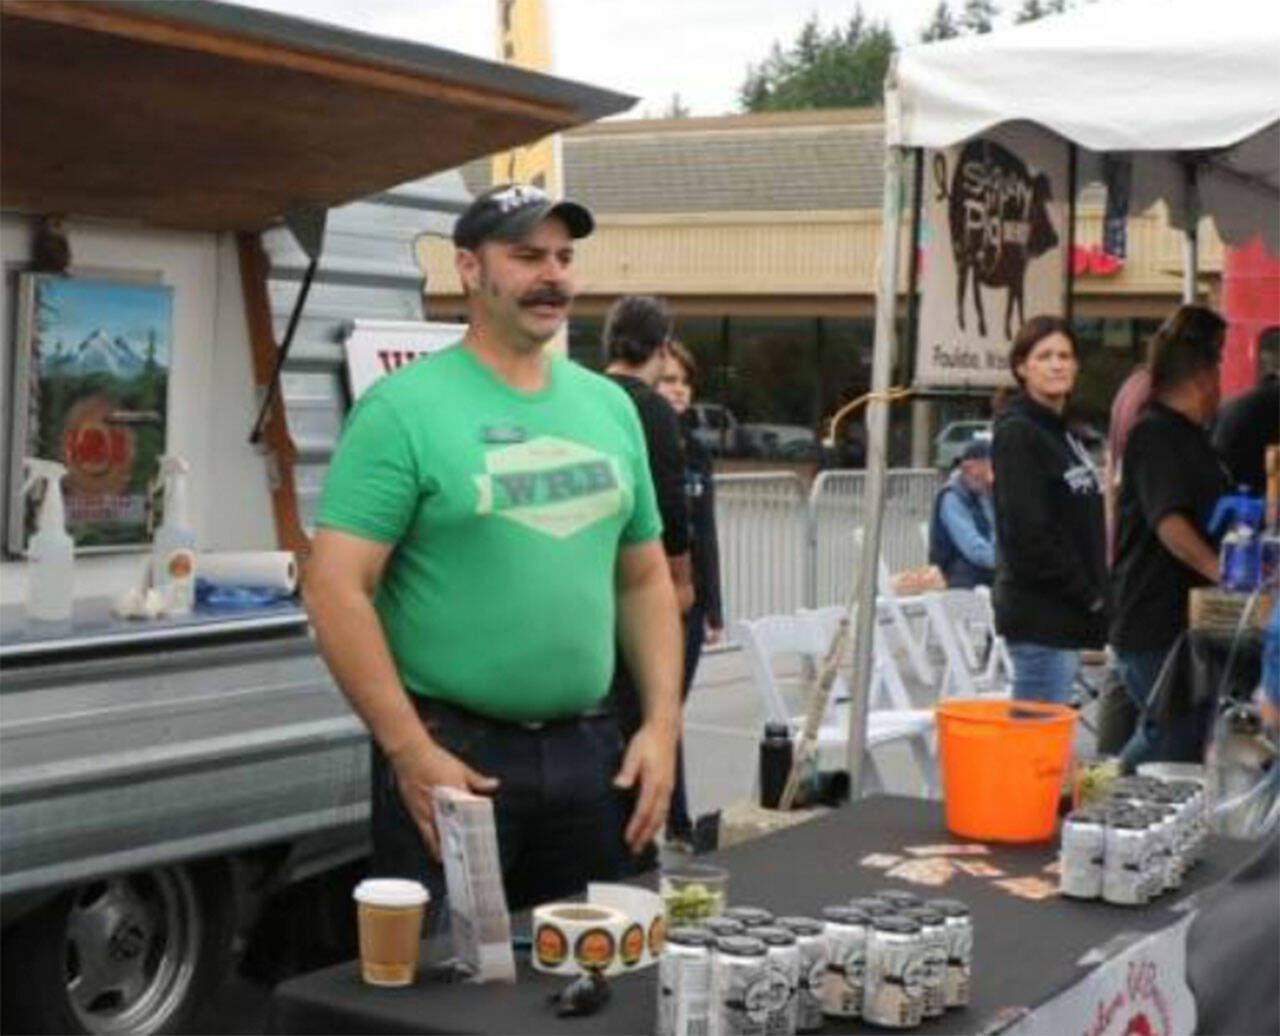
(761, 518)
(781, 549)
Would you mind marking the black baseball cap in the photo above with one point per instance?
(508, 211)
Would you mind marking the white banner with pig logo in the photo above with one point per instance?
(993, 252)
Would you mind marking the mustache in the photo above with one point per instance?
(545, 296)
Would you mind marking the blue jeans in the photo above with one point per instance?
(1179, 739)
(559, 819)
(1043, 673)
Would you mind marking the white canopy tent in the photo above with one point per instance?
(1188, 90)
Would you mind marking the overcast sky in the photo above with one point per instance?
(648, 48)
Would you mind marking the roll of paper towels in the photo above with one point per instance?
(271, 569)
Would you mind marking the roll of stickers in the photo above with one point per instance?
(268, 569)
(642, 906)
(575, 938)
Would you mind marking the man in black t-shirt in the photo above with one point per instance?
(1171, 480)
(1250, 423)
(636, 332)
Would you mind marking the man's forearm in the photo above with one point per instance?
(653, 646)
(355, 648)
(1184, 542)
(681, 566)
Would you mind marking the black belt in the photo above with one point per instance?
(424, 703)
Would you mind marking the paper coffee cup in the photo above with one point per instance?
(390, 916)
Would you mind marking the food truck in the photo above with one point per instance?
(198, 202)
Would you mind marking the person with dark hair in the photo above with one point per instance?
(704, 621)
(1050, 584)
(487, 533)
(962, 534)
(1171, 480)
(1126, 405)
(1250, 423)
(636, 331)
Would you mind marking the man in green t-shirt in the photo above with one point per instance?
(487, 523)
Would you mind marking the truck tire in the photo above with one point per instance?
(134, 953)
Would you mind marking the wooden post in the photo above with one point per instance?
(279, 450)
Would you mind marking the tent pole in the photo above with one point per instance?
(1190, 233)
(877, 435)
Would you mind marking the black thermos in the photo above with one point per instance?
(775, 763)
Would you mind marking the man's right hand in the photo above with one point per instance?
(422, 768)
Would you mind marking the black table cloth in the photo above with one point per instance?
(1024, 951)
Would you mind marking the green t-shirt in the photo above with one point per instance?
(507, 510)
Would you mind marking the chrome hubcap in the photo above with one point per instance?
(131, 950)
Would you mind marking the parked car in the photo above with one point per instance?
(716, 427)
(792, 442)
(951, 441)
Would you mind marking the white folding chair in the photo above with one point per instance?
(898, 610)
(804, 635)
(960, 620)
(924, 538)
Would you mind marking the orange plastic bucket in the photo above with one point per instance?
(1002, 766)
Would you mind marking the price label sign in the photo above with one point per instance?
(376, 348)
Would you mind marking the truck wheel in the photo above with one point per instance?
(136, 953)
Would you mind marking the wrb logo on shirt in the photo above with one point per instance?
(551, 485)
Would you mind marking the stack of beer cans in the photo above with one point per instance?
(1135, 844)
(892, 959)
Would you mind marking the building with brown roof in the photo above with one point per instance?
(763, 231)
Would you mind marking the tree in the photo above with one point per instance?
(1031, 10)
(843, 67)
(978, 15)
(942, 25)
(677, 109)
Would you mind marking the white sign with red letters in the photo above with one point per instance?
(378, 347)
(1142, 991)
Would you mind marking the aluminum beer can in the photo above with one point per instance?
(741, 992)
(684, 983)
(811, 941)
(1190, 796)
(894, 991)
(933, 939)
(1124, 874)
(783, 955)
(751, 916)
(959, 948)
(1083, 853)
(897, 898)
(1154, 858)
(1269, 561)
(842, 987)
(722, 926)
(872, 906)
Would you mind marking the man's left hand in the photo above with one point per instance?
(651, 761)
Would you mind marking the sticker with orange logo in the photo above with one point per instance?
(594, 949)
(657, 935)
(551, 946)
(632, 948)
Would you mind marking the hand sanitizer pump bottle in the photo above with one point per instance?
(173, 550)
(50, 551)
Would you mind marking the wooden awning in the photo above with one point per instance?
(210, 116)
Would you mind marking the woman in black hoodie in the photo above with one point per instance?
(1050, 584)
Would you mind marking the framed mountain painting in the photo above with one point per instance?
(90, 390)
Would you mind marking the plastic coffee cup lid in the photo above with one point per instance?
(391, 892)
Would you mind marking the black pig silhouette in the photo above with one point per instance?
(999, 221)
